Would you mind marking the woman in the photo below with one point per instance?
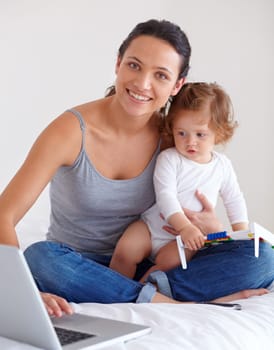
(99, 158)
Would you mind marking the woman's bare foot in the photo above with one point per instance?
(243, 294)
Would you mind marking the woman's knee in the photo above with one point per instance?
(39, 251)
(266, 252)
(34, 252)
(42, 257)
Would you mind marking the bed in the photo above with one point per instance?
(175, 327)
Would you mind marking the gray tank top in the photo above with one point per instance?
(90, 212)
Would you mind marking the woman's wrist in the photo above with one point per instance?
(215, 226)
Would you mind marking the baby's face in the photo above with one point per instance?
(193, 137)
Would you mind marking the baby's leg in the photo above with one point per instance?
(166, 259)
(131, 249)
(189, 254)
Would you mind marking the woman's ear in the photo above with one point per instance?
(118, 62)
(178, 85)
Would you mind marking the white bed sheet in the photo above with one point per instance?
(186, 326)
(196, 326)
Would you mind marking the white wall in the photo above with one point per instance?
(59, 53)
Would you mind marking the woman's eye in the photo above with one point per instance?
(162, 76)
(133, 65)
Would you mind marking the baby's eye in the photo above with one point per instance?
(134, 65)
(201, 134)
(182, 133)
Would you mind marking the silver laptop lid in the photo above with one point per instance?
(22, 310)
(24, 317)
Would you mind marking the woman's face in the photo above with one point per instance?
(147, 75)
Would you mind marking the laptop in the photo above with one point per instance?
(23, 316)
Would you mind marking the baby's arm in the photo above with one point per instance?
(240, 226)
(233, 199)
(191, 235)
(165, 182)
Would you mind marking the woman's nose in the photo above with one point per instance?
(143, 81)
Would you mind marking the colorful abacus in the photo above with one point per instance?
(217, 237)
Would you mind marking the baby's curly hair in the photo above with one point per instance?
(195, 97)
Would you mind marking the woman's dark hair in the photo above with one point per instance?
(164, 30)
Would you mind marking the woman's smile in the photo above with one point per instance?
(138, 97)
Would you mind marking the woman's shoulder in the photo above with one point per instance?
(65, 125)
(68, 122)
(93, 108)
(93, 114)
(65, 133)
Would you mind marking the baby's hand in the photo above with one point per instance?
(192, 237)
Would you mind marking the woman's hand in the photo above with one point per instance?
(55, 305)
(206, 219)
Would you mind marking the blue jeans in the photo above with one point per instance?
(213, 272)
(82, 277)
(222, 270)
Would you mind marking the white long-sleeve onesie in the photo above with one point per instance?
(176, 179)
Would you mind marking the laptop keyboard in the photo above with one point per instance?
(68, 336)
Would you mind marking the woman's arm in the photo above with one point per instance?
(58, 145)
(206, 220)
